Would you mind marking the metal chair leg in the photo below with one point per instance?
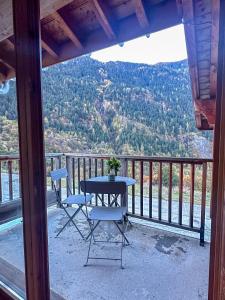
(122, 233)
(85, 265)
(122, 245)
(86, 216)
(92, 230)
(62, 229)
(126, 219)
(84, 213)
(91, 234)
(90, 225)
(71, 220)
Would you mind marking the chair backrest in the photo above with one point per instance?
(103, 187)
(59, 174)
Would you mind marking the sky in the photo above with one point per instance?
(164, 46)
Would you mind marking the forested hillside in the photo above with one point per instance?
(114, 107)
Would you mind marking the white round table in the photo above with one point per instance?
(129, 181)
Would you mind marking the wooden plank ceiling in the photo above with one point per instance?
(70, 28)
(200, 19)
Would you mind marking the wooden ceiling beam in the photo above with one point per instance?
(162, 17)
(190, 37)
(205, 111)
(8, 58)
(49, 49)
(6, 63)
(2, 77)
(49, 44)
(102, 14)
(7, 66)
(141, 14)
(67, 30)
(202, 122)
(179, 8)
(10, 44)
(6, 70)
(204, 108)
(47, 7)
(214, 47)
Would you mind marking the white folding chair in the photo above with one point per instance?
(106, 213)
(79, 200)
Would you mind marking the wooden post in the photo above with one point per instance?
(150, 189)
(52, 168)
(78, 174)
(170, 192)
(124, 172)
(124, 167)
(10, 180)
(73, 175)
(160, 191)
(32, 162)
(59, 182)
(217, 253)
(69, 178)
(0, 181)
(89, 168)
(141, 187)
(133, 187)
(192, 195)
(203, 203)
(181, 187)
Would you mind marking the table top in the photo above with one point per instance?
(128, 180)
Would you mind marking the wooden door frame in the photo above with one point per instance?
(26, 15)
(217, 251)
(29, 97)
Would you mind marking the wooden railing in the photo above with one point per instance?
(169, 191)
(9, 166)
(10, 179)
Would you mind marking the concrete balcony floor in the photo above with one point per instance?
(159, 265)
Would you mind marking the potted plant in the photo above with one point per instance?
(113, 166)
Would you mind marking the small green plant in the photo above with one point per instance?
(113, 164)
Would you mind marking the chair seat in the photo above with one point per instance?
(107, 213)
(77, 199)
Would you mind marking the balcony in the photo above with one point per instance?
(169, 208)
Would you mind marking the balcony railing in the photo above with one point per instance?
(10, 191)
(170, 191)
(9, 175)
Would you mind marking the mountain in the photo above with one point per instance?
(114, 107)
